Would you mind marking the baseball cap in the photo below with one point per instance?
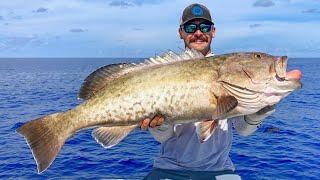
(195, 11)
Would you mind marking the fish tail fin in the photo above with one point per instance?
(45, 138)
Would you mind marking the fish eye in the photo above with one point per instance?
(257, 56)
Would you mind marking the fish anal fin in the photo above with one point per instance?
(205, 129)
(224, 105)
(111, 136)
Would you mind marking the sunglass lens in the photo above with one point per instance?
(190, 28)
(205, 28)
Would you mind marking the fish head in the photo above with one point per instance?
(257, 79)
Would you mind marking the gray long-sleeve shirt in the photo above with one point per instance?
(184, 151)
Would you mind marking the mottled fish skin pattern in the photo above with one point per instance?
(178, 91)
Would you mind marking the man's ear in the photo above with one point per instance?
(213, 31)
(180, 33)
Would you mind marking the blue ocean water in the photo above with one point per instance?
(287, 146)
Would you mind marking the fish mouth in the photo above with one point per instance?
(281, 67)
(288, 81)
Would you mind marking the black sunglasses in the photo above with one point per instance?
(191, 27)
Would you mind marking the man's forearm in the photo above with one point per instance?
(243, 127)
(246, 125)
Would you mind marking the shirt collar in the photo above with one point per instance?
(209, 54)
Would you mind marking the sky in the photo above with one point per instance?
(144, 28)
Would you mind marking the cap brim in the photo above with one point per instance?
(196, 18)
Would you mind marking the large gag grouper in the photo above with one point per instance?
(180, 87)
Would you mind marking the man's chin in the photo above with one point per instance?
(198, 46)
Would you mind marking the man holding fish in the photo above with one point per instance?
(207, 95)
(183, 154)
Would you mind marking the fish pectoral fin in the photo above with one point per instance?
(205, 129)
(111, 136)
(224, 105)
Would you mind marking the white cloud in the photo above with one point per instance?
(78, 30)
(263, 3)
(312, 11)
(256, 25)
(41, 10)
(18, 43)
(122, 4)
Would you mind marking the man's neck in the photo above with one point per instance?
(206, 52)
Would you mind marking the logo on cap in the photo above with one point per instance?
(197, 10)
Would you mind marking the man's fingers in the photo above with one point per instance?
(160, 121)
(154, 121)
(267, 109)
(145, 124)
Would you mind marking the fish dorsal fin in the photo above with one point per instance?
(106, 74)
(111, 136)
(224, 105)
(100, 78)
(171, 56)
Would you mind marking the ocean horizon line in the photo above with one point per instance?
(135, 58)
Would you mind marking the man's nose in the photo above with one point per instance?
(198, 32)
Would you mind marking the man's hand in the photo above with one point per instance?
(156, 121)
(256, 118)
(266, 111)
(161, 130)
(252, 122)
